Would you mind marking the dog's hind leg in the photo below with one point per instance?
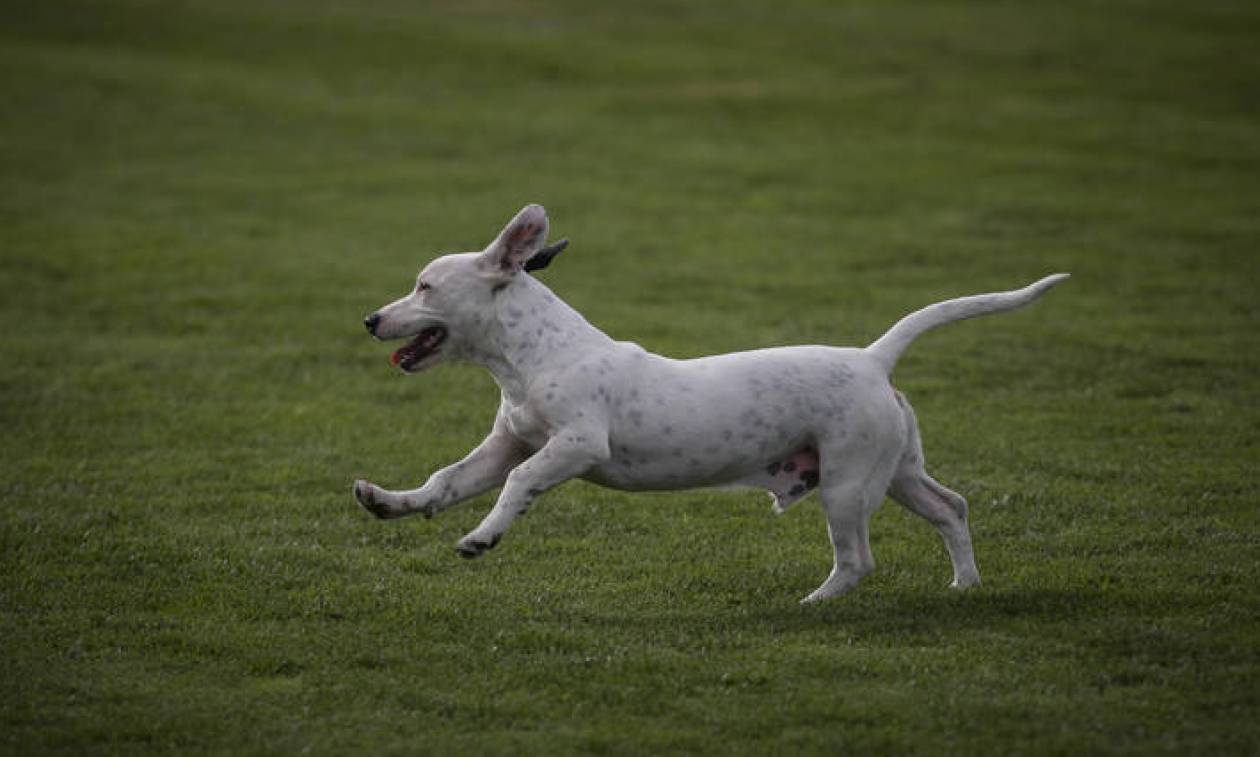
(946, 510)
(485, 468)
(853, 486)
(847, 508)
(856, 463)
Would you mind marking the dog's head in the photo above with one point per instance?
(453, 295)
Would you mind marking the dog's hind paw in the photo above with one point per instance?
(965, 581)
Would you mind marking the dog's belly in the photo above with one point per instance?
(743, 419)
(649, 470)
(692, 446)
(788, 477)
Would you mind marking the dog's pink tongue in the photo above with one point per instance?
(396, 358)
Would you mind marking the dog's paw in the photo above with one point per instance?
(965, 581)
(472, 546)
(370, 496)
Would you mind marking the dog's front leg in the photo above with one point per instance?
(566, 455)
(483, 469)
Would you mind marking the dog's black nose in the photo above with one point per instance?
(371, 321)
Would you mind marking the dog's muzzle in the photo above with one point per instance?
(424, 345)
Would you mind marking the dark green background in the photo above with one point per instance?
(200, 201)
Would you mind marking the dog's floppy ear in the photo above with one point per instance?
(519, 241)
(543, 257)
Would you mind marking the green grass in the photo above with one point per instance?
(199, 201)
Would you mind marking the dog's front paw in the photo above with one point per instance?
(475, 546)
(372, 497)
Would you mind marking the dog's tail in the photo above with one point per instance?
(889, 347)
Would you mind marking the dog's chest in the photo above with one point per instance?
(526, 424)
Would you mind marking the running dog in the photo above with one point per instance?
(578, 404)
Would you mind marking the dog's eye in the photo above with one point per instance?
(423, 286)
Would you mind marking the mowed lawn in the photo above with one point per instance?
(199, 202)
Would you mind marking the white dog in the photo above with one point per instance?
(577, 404)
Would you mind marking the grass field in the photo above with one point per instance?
(199, 201)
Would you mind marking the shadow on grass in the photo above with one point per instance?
(895, 613)
(877, 615)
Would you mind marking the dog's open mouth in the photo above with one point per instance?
(426, 344)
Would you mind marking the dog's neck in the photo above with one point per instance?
(531, 331)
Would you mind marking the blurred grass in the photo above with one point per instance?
(199, 201)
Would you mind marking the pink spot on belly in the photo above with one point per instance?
(793, 477)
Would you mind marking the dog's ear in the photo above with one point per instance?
(543, 257)
(519, 241)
